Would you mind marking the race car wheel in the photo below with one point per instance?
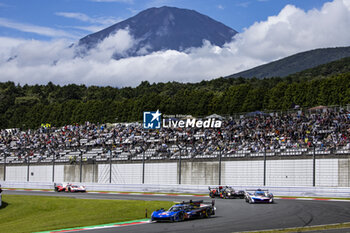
(207, 213)
(181, 217)
(250, 201)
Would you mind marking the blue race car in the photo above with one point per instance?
(258, 196)
(185, 210)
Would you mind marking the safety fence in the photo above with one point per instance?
(312, 172)
(299, 191)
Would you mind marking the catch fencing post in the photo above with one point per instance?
(143, 162)
(178, 146)
(81, 166)
(180, 168)
(53, 167)
(110, 166)
(220, 155)
(264, 164)
(28, 168)
(314, 166)
(5, 166)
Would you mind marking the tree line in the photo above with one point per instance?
(29, 106)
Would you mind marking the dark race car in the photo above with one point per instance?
(185, 210)
(229, 192)
(215, 192)
(225, 192)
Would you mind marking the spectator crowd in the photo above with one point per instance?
(327, 130)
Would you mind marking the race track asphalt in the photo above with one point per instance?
(232, 215)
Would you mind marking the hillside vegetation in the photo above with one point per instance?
(296, 63)
(30, 106)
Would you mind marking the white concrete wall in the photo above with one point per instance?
(16, 173)
(199, 173)
(121, 173)
(343, 172)
(161, 173)
(40, 173)
(243, 172)
(59, 173)
(289, 172)
(1, 173)
(327, 172)
(103, 174)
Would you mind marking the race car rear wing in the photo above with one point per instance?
(198, 203)
(254, 190)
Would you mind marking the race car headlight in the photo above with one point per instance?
(229, 194)
(271, 200)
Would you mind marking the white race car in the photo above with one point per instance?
(75, 188)
(258, 196)
(67, 187)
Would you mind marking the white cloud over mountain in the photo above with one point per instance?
(292, 30)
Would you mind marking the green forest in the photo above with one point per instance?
(29, 106)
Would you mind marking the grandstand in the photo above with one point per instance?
(324, 132)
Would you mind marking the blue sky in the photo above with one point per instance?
(72, 19)
(36, 38)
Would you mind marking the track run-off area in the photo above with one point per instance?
(232, 215)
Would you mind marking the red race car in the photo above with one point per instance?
(67, 187)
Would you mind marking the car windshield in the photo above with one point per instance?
(260, 193)
(175, 209)
(75, 186)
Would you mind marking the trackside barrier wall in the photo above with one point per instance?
(332, 172)
(277, 191)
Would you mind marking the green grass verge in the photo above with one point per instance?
(200, 194)
(33, 213)
(189, 194)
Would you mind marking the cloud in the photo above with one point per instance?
(43, 31)
(92, 28)
(85, 18)
(159, 3)
(3, 5)
(243, 4)
(292, 30)
(220, 7)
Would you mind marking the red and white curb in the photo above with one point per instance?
(311, 199)
(117, 193)
(103, 226)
